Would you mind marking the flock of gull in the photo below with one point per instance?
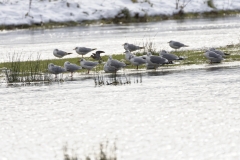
(114, 65)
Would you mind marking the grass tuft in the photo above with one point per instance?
(24, 71)
(106, 152)
(115, 79)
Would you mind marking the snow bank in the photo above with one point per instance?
(16, 12)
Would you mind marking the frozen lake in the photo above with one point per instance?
(181, 114)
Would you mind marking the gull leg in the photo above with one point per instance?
(55, 77)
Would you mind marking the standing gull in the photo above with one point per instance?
(54, 69)
(155, 61)
(176, 45)
(170, 57)
(88, 64)
(131, 47)
(218, 52)
(128, 54)
(109, 69)
(83, 50)
(213, 57)
(117, 65)
(58, 53)
(71, 67)
(137, 61)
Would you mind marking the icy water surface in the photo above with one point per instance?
(187, 114)
(197, 33)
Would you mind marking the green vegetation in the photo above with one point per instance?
(192, 57)
(36, 70)
(27, 71)
(115, 79)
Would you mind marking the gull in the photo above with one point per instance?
(97, 56)
(218, 52)
(155, 61)
(54, 69)
(137, 61)
(128, 54)
(176, 45)
(70, 67)
(58, 53)
(109, 69)
(117, 65)
(213, 57)
(169, 56)
(131, 47)
(88, 64)
(83, 50)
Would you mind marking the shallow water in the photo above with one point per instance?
(181, 114)
(197, 33)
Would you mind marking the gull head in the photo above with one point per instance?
(163, 52)
(66, 63)
(50, 65)
(212, 49)
(126, 51)
(81, 60)
(149, 53)
(131, 56)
